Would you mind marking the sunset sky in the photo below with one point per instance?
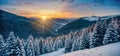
(61, 8)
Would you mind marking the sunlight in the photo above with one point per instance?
(44, 22)
(44, 17)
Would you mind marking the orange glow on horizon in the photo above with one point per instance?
(49, 14)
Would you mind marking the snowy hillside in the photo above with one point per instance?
(56, 53)
(107, 50)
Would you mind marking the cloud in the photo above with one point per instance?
(70, 7)
(93, 7)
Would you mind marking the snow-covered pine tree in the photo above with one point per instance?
(111, 34)
(2, 46)
(117, 25)
(51, 45)
(55, 45)
(68, 45)
(36, 47)
(30, 47)
(76, 44)
(84, 39)
(68, 42)
(63, 41)
(97, 35)
(60, 42)
(21, 47)
(12, 46)
(23, 42)
(44, 49)
(41, 45)
(118, 29)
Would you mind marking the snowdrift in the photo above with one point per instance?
(106, 50)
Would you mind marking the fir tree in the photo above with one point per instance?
(12, 46)
(40, 45)
(97, 35)
(30, 47)
(2, 46)
(37, 47)
(21, 47)
(111, 34)
(84, 39)
(76, 44)
(55, 45)
(68, 43)
(44, 49)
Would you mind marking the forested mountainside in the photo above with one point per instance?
(101, 33)
(83, 23)
(23, 26)
(75, 25)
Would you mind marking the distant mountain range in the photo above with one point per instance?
(23, 27)
(82, 23)
(75, 25)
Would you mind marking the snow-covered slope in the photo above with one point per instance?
(56, 53)
(107, 50)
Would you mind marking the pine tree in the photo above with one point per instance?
(37, 47)
(60, 42)
(111, 34)
(30, 47)
(97, 35)
(51, 45)
(12, 46)
(117, 26)
(41, 45)
(45, 48)
(69, 43)
(84, 39)
(76, 44)
(55, 45)
(21, 47)
(2, 46)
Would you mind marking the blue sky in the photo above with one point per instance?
(61, 8)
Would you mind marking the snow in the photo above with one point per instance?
(94, 18)
(107, 50)
(65, 23)
(56, 53)
(91, 18)
(62, 24)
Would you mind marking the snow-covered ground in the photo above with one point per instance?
(56, 53)
(107, 50)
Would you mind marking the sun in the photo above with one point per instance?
(44, 17)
